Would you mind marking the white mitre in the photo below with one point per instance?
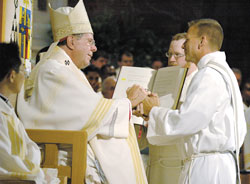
(66, 21)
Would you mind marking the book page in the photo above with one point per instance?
(168, 84)
(133, 75)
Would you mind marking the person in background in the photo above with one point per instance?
(246, 147)
(246, 93)
(107, 70)
(238, 75)
(176, 57)
(156, 64)
(92, 73)
(165, 162)
(59, 96)
(108, 87)
(125, 59)
(100, 58)
(211, 119)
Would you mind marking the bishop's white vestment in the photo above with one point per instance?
(19, 156)
(58, 96)
(207, 122)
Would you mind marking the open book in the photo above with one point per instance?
(167, 82)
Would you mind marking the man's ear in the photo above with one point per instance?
(203, 41)
(12, 75)
(70, 42)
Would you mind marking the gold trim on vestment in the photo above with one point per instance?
(97, 115)
(131, 140)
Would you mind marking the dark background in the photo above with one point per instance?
(145, 27)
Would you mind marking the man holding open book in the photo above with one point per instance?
(165, 162)
(211, 120)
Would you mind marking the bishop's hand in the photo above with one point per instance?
(136, 94)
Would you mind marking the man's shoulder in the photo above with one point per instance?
(211, 72)
(52, 66)
(209, 76)
(5, 108)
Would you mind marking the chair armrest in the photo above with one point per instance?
(57, 136)
(78, 140)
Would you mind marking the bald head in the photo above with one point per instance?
(108, 87)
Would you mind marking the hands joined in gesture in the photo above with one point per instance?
(142, 101)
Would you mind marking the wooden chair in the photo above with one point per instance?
(51, 139)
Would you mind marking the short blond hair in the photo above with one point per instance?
(210, 28)
(179, 36)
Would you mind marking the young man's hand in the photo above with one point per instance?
(148, 103)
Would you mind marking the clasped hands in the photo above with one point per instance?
(142, 101)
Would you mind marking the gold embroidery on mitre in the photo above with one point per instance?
(66, 21)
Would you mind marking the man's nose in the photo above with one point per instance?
(93, 48)
(171, 58)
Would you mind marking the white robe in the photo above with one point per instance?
(60, 97)
(165, 162)
(19, 156)
(206, 121)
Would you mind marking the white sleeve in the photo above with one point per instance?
(118, 123)
(14, 164)
(194, 115)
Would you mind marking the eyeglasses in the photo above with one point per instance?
(176, 55)
(91, 42)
